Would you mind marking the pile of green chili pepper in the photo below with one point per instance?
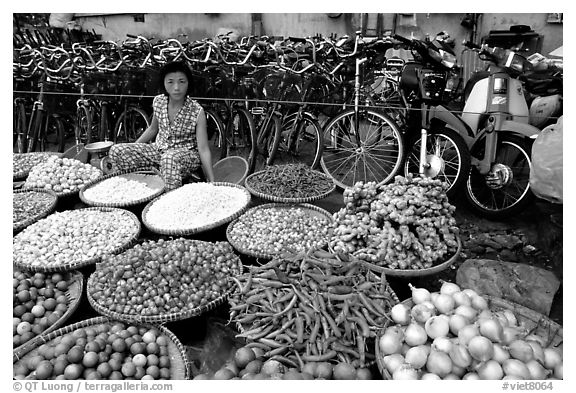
(290, 181)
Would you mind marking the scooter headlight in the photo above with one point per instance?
(448, 59)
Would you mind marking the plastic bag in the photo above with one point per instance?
(547, 169)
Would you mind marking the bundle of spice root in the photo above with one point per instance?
(407, 224)
(311, 307)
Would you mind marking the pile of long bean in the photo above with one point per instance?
(290, 181)
(311, 306)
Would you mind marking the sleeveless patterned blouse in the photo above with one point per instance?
(181, 133)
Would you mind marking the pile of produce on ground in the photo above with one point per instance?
(164, 277)
(61, 175)
(29, 204)
(73, 236)
(270, 230)
(39, 300)
(453, 334)
(22, 163)
(407, 224)
(106, 351)
(195, 205)
(124, 188)
(311, 307)
(249, 363)
(290, 181)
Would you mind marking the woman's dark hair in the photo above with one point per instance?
(175, 66)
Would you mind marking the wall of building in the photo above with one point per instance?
(200, 25)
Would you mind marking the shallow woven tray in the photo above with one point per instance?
(275, 198)
(161, 318)
(231, 169)
(74, 295)
(79, 264)
(417, 272)
(49, 208)
(312, 210)
(179, 364)
(534, 321)
(24, 173)
(151, 177)
(190, 231)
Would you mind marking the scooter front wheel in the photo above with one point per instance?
(505, 191)
(447, 159)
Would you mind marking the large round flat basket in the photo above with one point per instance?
(418, 272)
(192, 226)
(307, 209)
(179, 364)
(149, 182)
(73, 295)
(22, 163)
(26, 256)
(40, 212)
(328, 187)
(533, 321)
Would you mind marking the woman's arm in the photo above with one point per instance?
(150, 132)
(203, 147)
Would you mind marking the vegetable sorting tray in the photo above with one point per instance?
(310, 210)
(179, 363)
(250, 184)
(46, 210)
(74, 295)
(535, 322)
(34, 158)
(197, 229)
(418, 272)
(151, 177)
(130, 219)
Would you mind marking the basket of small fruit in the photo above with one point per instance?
(43, 302)
(123, 189)
(22, 163)
(405, 228)
(195, 208)
(29, 206)
(102, 348)
(64, 176)
(72, 239)
(289, 183)
(460, 334)
(162, 281)
(266, 230)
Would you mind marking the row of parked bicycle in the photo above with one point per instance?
(347, 105)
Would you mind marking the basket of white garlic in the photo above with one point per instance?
(195, 207)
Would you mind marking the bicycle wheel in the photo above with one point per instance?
(215, 130)
(20, 131)
(52, 136)
(241, 136)
(507, 191)
(83, 128)
(301, 141)
(375, 157)
(447, 158)
(130, 125)
(268, 141)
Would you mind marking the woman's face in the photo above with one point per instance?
(176, 84)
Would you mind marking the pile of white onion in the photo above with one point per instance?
(452, 334)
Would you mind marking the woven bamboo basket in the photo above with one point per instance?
(179, 364)
(535, 322)
(130, 219)
(74, 295)
(248, 183)
(199, 229)
(49, 208)
(310, 210)
(151, 177)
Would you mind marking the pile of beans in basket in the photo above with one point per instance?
(26, 205)
(290, 181)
